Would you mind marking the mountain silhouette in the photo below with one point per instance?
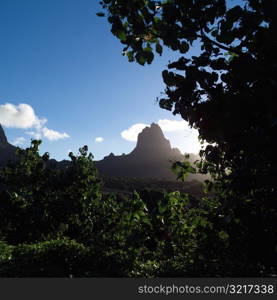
(151, 158)
(7, 151)
(153, 145)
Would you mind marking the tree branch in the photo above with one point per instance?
(229, 49)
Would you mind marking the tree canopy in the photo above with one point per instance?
(55, 221)
(226, 89)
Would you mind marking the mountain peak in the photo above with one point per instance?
(152, 143)
(3, 138)
(154, 131)
(7, 151)
(151, 158)
(155, 125)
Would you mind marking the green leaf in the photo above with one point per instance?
(159, 48)
(223, 235)
(149, 56)
(141, 59)
(184, 47)
(130, 55)
(122, 36)
(161, 208)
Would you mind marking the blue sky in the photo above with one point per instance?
(60, 60)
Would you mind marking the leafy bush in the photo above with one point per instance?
(227, 90)
(43, 201)
(54, 258)
(54, 222)
(5, 252)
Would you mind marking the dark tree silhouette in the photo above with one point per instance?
(42, 201)
(227, 92)
(55, 222)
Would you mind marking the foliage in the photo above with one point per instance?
(152, 234)
(5, 252)
(53, 258)
(226, 89)
(219, 91)
(42, 201)
(55, 222)
(182, 169)
(110, 235)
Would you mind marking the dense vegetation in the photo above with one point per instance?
(128, 185)
(58, 222)
(226, 89)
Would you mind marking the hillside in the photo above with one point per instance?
(7, 151)
(151, 158)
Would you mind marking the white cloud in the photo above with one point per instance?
(35, 134)
(19, 141)
(131, 134)
(23, 116)
(173, 125)
(53, 135)
(99, 139)
(44, 132)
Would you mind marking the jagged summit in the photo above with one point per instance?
(152, 135)
(152, 157)
(3, 138)
(7, 151)
(110, 156)
(152, 144)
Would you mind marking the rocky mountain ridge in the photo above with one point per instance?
(7, 151)
(151, 158)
